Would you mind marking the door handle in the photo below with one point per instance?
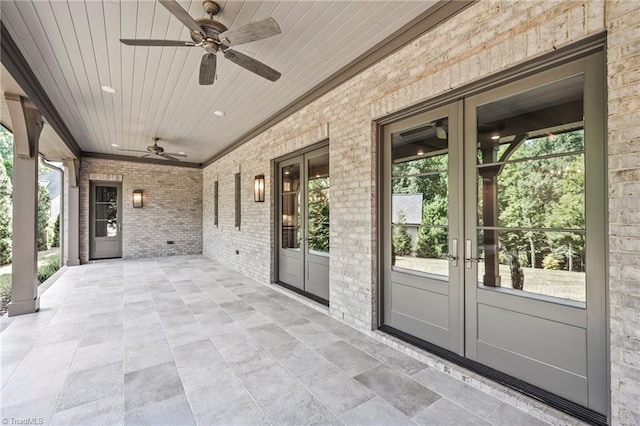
(468, 260)
(453, 253)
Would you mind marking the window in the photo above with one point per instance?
(237, 199)
(215, 203)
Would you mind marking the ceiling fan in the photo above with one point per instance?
(213, 36)
(158, 151)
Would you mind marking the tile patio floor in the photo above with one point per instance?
(185, 340)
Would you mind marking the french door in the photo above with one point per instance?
(303, 249)
(495, 231)
(105, 220)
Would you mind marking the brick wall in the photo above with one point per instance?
(172, 207)
(485, 38)
(623, 63)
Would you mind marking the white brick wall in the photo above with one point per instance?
(487, 37)
(623, 57)
(172, 207)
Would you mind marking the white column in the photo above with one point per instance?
(72, 231)
(27, 124)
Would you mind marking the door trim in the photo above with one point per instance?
(92, 212)
(275, 190)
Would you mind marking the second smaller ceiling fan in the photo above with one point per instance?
(157, 150)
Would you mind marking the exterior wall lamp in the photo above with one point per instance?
(258, 189)
(137, 198)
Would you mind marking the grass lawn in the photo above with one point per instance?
(48, 264)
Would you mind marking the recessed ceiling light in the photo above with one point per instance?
(109, 89)
(182, 153)
(420, 152)
(115, 145)
(495, 137)
(219, 113)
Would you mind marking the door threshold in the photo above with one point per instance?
(306, 294)
(568, 407)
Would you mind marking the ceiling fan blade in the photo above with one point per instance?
(252, 65)
(208, 69)
(182, 15)
(143, 42)
(131, 150)
(168, 157)
(176, 154)
(251, 32)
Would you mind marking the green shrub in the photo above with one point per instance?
(550, 262)
(517, 275)
(55, 237)
(48, 268)
(5, 291)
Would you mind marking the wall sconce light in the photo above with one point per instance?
(258, 189)
(137, 198)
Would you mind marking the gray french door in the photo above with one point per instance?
(423, 272)
(303, 252)
(495, 231)
(105, 237)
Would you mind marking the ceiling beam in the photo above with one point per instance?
(435, 15)
(102, 156)
(20, 70)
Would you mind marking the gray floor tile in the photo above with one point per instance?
(250, 319)
(176, 317)
(241, 412)
(139, 356)
(183, 334)
(102, 412)
(172, 411)
(306, 412)
(351, 360)
(339, 392)
(376, 412)
(272, 387)
(198, 353)
(97, 355)
(151, 385)
(354, 337)
(41, 409)
(247, 356)
(313, 335)
(84, 386)
(507, 415)
(395, 359)
(403, 393)
(100, 332)
(459, 392)
(60, 333)
(213, 390)
(271, 335)
(298, 357)
(235, 307)
(446, 413)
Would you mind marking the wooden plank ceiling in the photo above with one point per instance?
(73, 49)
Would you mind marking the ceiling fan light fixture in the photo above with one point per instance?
(109, 89)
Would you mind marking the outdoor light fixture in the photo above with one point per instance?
(137, 198)
(258, 189)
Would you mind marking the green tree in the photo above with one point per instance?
(319, 214)
(402, 244)
(55, 239)
(5, 215)
(6, 144)
(44, 207)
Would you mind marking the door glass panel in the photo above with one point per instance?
(290, 202)
(531, 186)
(318, 205)
(420, 198)
(106, 211)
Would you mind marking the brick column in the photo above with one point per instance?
(72, 229)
